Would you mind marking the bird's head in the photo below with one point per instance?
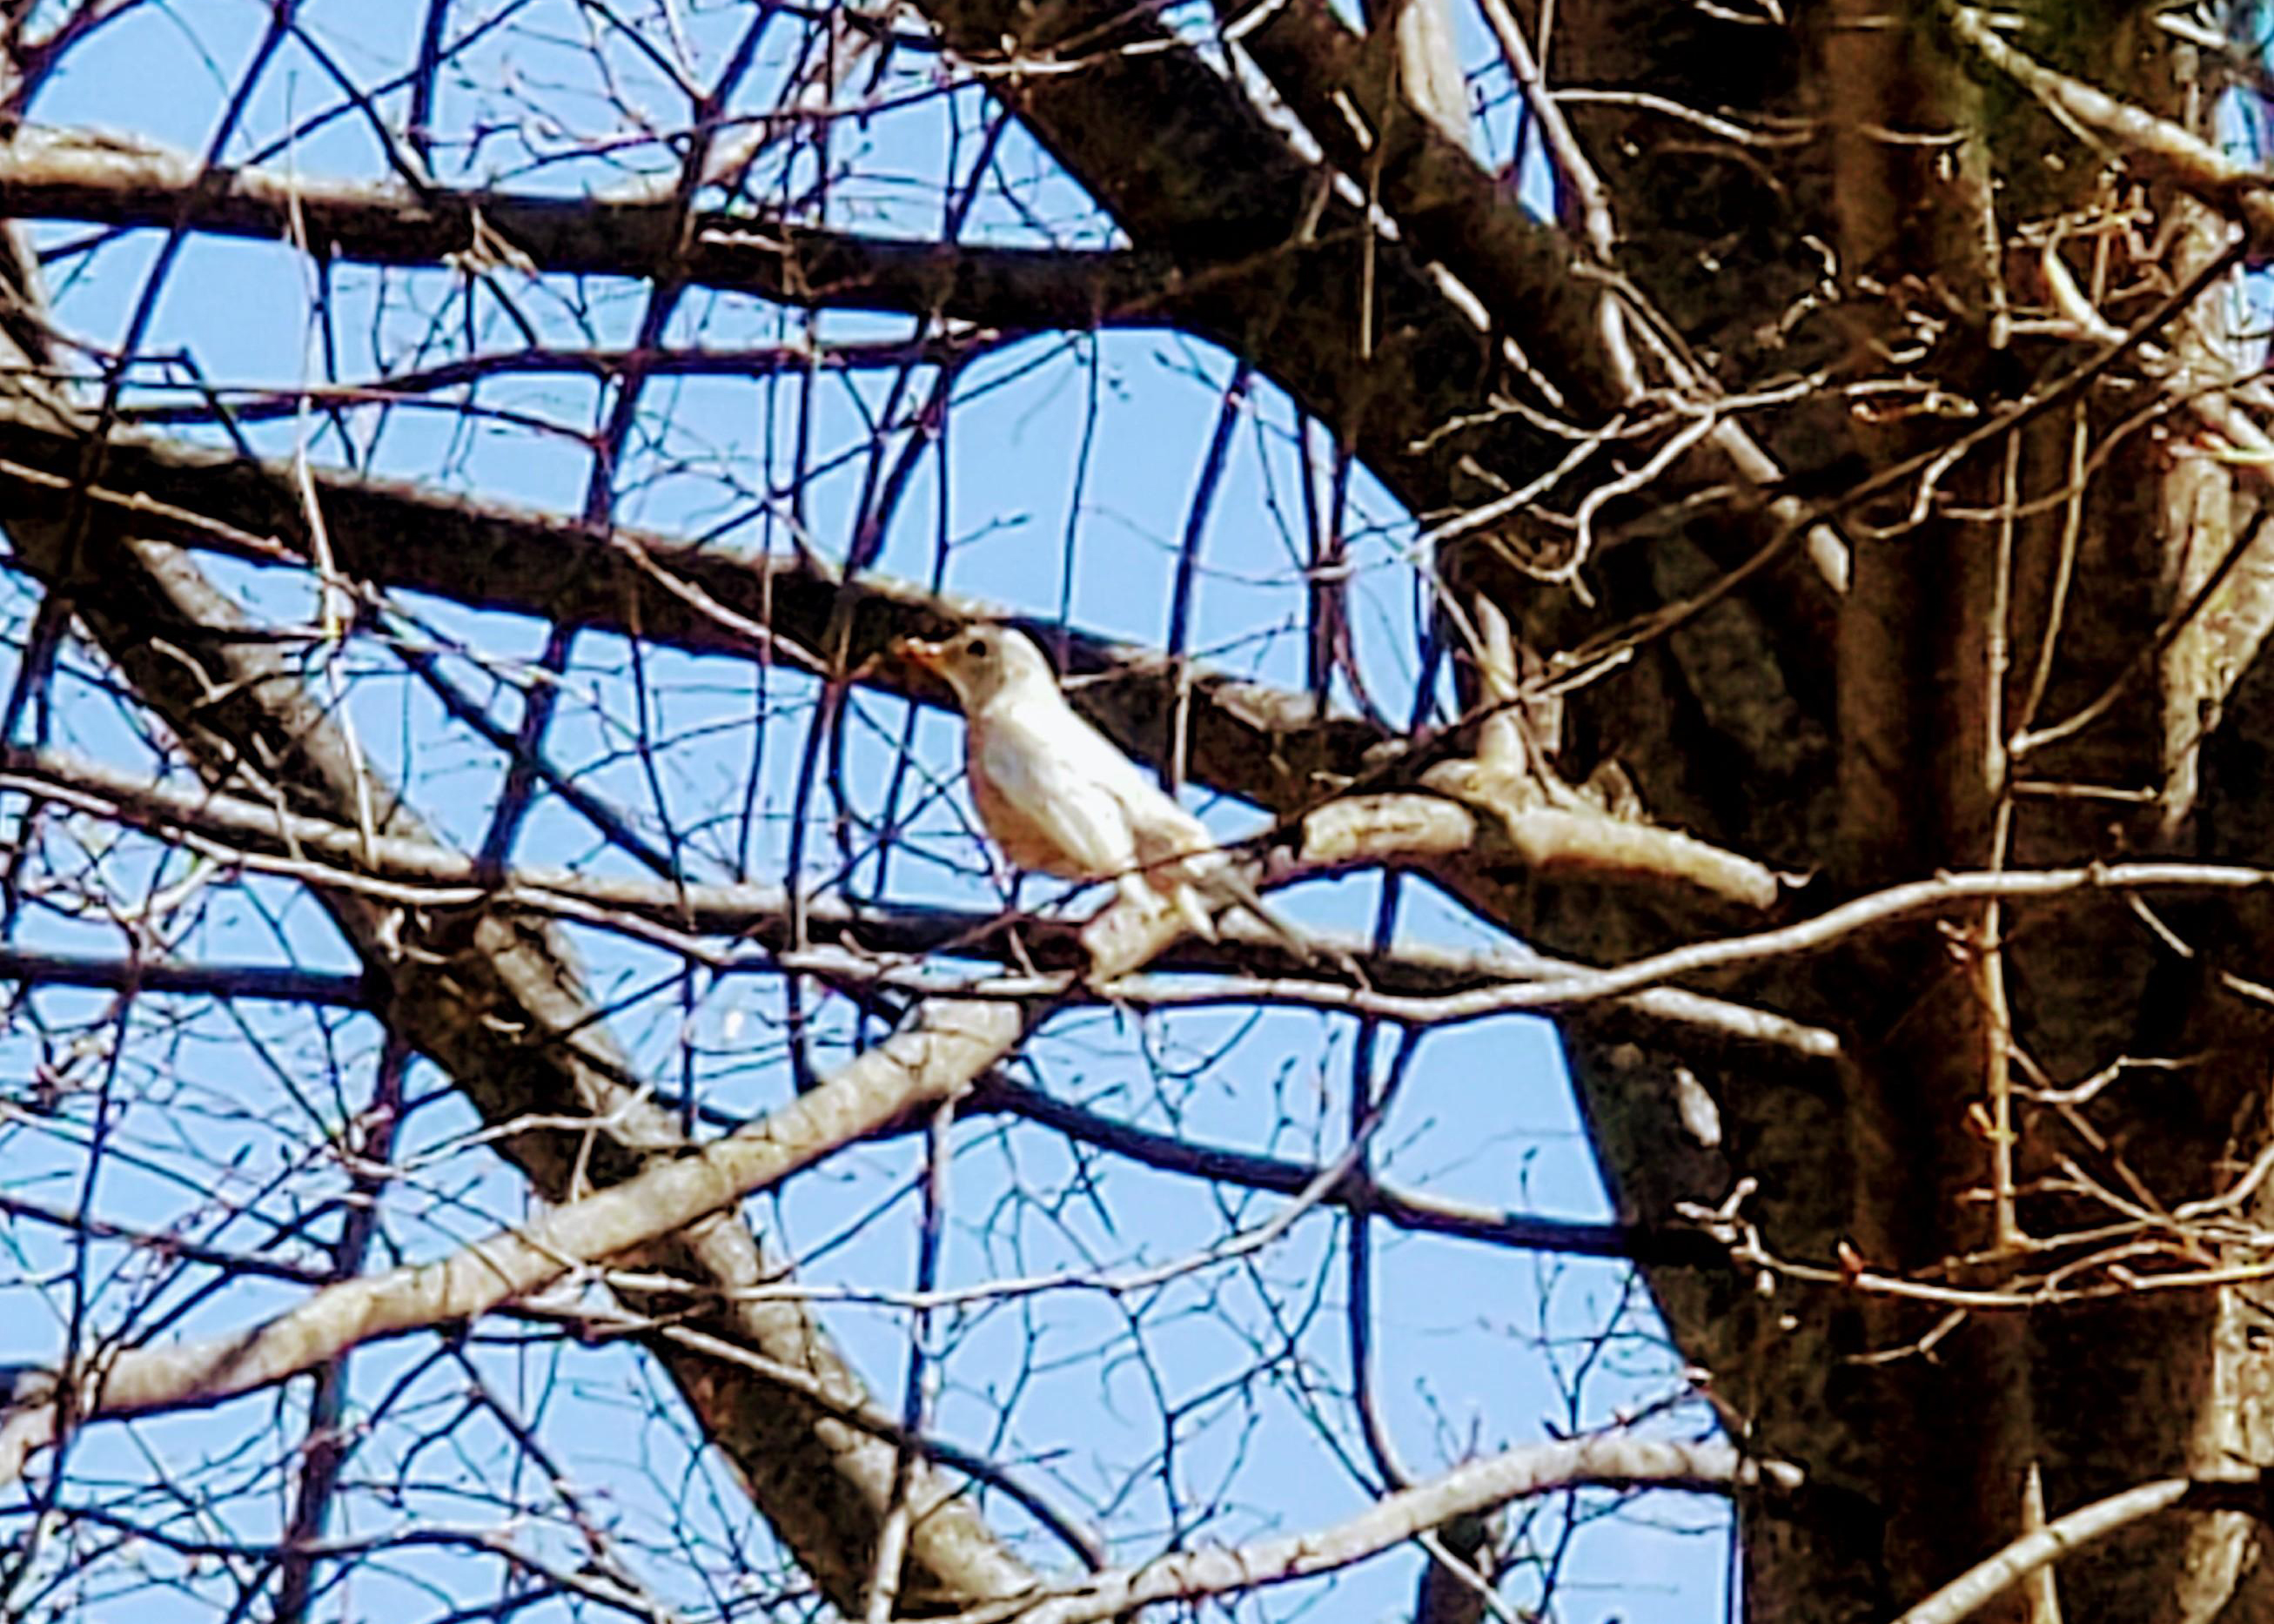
(981, 662)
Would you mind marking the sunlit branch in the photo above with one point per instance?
(871, 943)
(2153, 145)
(930, 1060)
(1616, 1460)
(2088, 1525)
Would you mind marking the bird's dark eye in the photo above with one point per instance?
(976, 649)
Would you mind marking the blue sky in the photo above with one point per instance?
(1478, 1348)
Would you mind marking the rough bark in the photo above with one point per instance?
(2096, 1398)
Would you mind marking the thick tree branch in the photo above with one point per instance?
(932, 1061)
(1248, 739)
(68, 175)
(870, 943)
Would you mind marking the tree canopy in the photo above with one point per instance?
(1731, 529)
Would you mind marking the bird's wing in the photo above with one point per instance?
(1057, 790)
(1160, 827)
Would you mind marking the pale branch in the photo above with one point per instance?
(74, 175)
(2208, 390)
(1580, 841)
(2152, 145)
(2065, 1536)
(932, 1060)
(1581, 987)
(587, 1323)
(878, 943)
(1429, 58)
(1475, 829)
(1605, 1461)
(1893, 904)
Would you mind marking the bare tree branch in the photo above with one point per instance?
(2154, 146)
(1617, 1460)
(1418, 988)
(1262, 744)
(1980, 1586)
(65, 174)
(932, 1060)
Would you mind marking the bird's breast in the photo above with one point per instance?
(1024, 841)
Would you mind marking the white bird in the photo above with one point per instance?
(1059, 798)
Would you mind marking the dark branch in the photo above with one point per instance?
(69, 176)
(1261, 744)
(275, 983)
(1407, 1210)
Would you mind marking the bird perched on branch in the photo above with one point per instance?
(1059, 798)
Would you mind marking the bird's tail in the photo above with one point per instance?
(1220, 881)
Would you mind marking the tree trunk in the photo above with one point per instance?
(1926, 1455)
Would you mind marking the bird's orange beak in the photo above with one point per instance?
(916, 651)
